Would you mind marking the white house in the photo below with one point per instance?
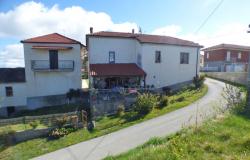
(52, 67)
(134, 59)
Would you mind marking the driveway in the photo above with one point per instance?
(129, 138)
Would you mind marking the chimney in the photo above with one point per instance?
(91, 30)
(133, 31)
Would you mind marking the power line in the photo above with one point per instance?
(209, 16)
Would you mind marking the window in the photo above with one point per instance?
(207, 55)
(239, 55)
(111, 57)
(9, 91)
(157, 56)
(184, 58)
(228, 55)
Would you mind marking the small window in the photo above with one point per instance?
(111, 57)
(184, 58)
(239, 55)
(157, 56)
(207, 55)
(9, 91)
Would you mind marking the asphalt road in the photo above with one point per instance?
(129, 138)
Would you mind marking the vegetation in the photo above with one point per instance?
(145, 103)
(225, 137)
(104, 125)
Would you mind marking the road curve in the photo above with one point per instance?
(130, 137)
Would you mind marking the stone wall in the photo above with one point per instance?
(238, 77)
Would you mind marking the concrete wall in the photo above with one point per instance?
(52, 82)
(239, 77)
(19, 95)
(99, 47)
(169, 71)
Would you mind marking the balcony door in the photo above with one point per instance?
(53, 59)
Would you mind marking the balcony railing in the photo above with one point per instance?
(44, 65)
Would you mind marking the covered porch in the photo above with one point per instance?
(109, 76)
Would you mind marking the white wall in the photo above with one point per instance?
(19, 94)
(169, 71)
(99, 47)
(52, 82)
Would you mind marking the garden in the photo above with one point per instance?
(147, 106)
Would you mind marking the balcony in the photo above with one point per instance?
(44, 65)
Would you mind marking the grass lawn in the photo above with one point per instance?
(20, 127)
(227, 138)
(105, 125)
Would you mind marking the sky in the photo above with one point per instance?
(21, 19)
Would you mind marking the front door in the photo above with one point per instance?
(53, 59)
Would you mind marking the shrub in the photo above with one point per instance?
(34, 124)
(163, 101)
(60, 122)
(120, 110)
(145, 103)
(60, 132)
(180, 99)
(198, 81)
(167, 91)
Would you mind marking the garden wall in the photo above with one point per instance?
(238, 77)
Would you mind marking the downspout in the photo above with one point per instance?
(196, 67)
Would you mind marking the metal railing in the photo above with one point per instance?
(44, 65)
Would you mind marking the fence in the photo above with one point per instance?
(48, 120)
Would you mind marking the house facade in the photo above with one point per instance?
(226, 58)
(52, 67)
(137, 60)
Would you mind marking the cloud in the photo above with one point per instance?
(32, 19)
(12, 56)
(232, 33)
(171, 30)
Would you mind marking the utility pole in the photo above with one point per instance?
(248, 76)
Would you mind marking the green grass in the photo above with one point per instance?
(20, 127)
(227, 138)
(105, 125)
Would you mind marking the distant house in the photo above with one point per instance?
(226, 58)
(118, 59)
(201, 60)
(52, 67)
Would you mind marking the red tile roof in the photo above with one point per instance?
(119, 69)
(228, 46)
(146, 38)
(51, 38)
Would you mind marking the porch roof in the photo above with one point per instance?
(118, 69)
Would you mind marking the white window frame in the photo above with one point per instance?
(239, 55)
(111, 56)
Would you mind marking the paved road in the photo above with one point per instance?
(128, 138)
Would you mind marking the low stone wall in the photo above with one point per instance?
(238, 77)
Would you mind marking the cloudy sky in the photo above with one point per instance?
(180, 18)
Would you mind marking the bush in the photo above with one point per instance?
(163, 102)
(60, 132)
(167, 91)
(34, 124)
(60, 122)
(180, 99)
(120, 110)
(198, 81)
(145, 103)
